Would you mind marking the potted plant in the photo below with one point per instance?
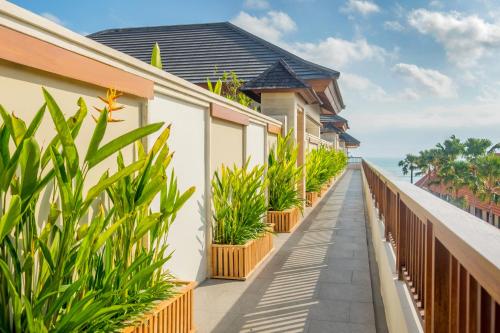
(85, 266)
(314, 170)
(283, 176)
(241, 238)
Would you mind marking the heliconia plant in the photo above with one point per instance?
(239, 204)
(156, 57)
(74, 263)
(284, 175)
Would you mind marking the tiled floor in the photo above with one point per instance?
(318, 279)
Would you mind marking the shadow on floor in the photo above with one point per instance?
(317, 281)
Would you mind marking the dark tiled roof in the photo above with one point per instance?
(349, 139)
(332, 118)
(193, 52)
(279, 75)
(329, 128)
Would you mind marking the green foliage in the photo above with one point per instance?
(455, 165)
(239, 203)
(57, 272)
(321, 165)
(409, 165)
(228, 86)
(156, 57)
(284, 175)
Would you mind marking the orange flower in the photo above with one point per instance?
(110, 104)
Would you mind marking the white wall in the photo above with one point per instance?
(188, 233)
(255, 144)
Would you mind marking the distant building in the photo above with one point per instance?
(470, 203)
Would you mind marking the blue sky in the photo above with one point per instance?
(412, 72)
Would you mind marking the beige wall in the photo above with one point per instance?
(280, 104)
(272, 140)
(226, 144)
(21, 93)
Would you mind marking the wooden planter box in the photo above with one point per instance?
(311, 198)
(237, 262)
(323, 190)
(174, 315)
(284, 221)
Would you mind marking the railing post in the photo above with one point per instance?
(400, 242)
(429, 278)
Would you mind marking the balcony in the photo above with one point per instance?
(375, 255)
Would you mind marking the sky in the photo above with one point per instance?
(412, 72)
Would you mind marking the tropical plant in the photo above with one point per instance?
(239, 203)
(284, 175)
(156, 57)
(229, 85)
(63, 262)
(488, 179)
(409, 165)
(322, 164)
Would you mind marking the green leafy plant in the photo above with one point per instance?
(228, 86)
(156, 57)
(57, 272)
(284, 175)
(239, 203)
(322, 164)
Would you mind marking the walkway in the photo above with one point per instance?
(317, 281)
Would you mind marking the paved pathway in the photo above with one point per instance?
(317, 281)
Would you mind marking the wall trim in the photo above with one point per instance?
(28, 51)
(221, 112)
(273, 129)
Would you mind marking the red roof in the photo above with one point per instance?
(463, 192)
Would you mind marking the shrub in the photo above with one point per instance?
(322, 164)
(239, 204)
(283, 175)
(57, 274)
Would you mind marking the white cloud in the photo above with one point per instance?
(466, 39)
(337, 52)
(436, 4)
(256, 4)
(432, 80)
(440, 118)
(52, 17)
(363, 88)
(331, 52)
(393, 25)
(271, 26)
(364, 7)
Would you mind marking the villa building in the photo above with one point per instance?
(285, 86)
(489, 212)
(373, 254)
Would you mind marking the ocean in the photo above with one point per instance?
(390, 166)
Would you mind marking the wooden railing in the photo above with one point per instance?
(449, 259)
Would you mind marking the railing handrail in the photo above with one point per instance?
(481, 237)
(448, 257)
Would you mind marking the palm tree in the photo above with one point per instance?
(474, 148)
(409, 164)
(488, 180)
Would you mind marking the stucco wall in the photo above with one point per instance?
(272, 140)
(226, 144)
(187, 139)
(276, 104)
(21, 93)
(255, 145)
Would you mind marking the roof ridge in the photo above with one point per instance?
(157, 27)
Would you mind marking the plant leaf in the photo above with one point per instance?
(122, 141)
